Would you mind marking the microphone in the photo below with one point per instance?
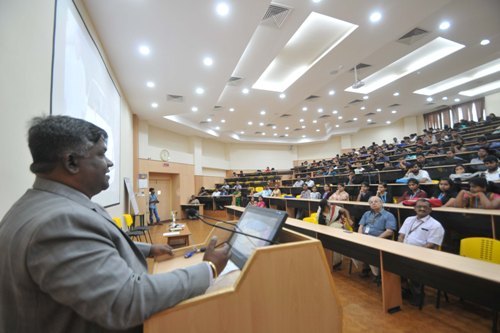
(202, 219)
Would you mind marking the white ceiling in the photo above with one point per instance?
(180, 33)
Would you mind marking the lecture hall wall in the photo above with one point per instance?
(26, 29)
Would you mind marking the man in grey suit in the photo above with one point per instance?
(65, 266)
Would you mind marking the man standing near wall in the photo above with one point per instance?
(153, 210)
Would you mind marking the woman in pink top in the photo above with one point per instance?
(261, 202)
(340, 194)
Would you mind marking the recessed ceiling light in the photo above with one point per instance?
(429, 99)
(274, 127)
(286, 134)
(331, 92)
(394, 111)
(365, 97)
(275, 134)
(207, 61)
(354, 118)
(261, 124)
(489, 68)
(375, 17)
(388, 122)
(337, 126)
(316, 1)
(154, 105)
(231, 110)
(379, 110)
(250, 123)
(242, 132)
(303, 135)
(304, 108)
(223, 121)
(287, 128)
(427, 54)
(444, 98)
(144, 50)
(194, 109)
(396, 94)
(289, 65)
(200, 91)
(263, 133)
(485, 42)
(315, 121)
(481, 89)
(339, 117)
(457, 99)
(282, 96)
(320, 110)
(303, 126)
(150, 84)
(245, 91)
(317, 130)
(369, 120)
(222, 9)
(362, 108)
(335, 112)
(444, 25)
(209, 120)
(263, 112)
(301, 120)
(217, 128)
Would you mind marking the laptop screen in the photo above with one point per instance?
(261, 222)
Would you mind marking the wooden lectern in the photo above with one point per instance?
(282, 288)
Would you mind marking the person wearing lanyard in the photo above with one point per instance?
(376, 222)
(414, 191)
(383, 194)
(424, 231)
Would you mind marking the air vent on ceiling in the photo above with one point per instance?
(439, 107)
(276, 15)
(325, 116)
(413, 36)
(175, 98)
(285, 115)
(258, 132)
(234, 81)
(298, 129)
(430, 103)
(369, 114)
(217, 107)
(394, 105)
(282, 136)
(349, 121)
(360, 66)
(203, 122)
(270, 125)
(371, 123)
(355, 101)
(311, 98)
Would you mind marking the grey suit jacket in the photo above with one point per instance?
(66, 267)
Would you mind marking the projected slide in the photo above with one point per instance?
(83, 88)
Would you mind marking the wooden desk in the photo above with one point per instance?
(180, 240)
(472, 279)
(197, 207)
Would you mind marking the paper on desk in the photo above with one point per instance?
(230, 266)
(173, 233)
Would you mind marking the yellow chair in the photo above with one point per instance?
(259, 189)
(297, 196)
(487, 249)
(131, 234)
(314, 215)
(144, 230)
(118, 222)
(310, 219)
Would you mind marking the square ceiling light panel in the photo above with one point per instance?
(481, 89)
(421, 57)
(317, 36)
(489, 68)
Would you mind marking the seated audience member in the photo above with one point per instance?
(241, 174)
(225, 187)
(315, 194)
(276, 191)
(461, 174)
(309, 182)
(383, 194)
(492, 173)
(452, 158)
(358, 170)
(416, 173)
(202, 192)
(445, 193)
(388, 166)
(261, 203)
(340, 194)
(267, 192)
(354, 178)
(421, 161)
(364, 192)
(305, 194)
(192, 213)
(327, 192)
(376, 222)
(237, 197)
(336, 217)
(252, 201)
(403, 164)
(414, 191)
(237, 186)
(424, 231)
(216, 193)
(382, 157)
(481, 155)
(478, 196)
(298, 183)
